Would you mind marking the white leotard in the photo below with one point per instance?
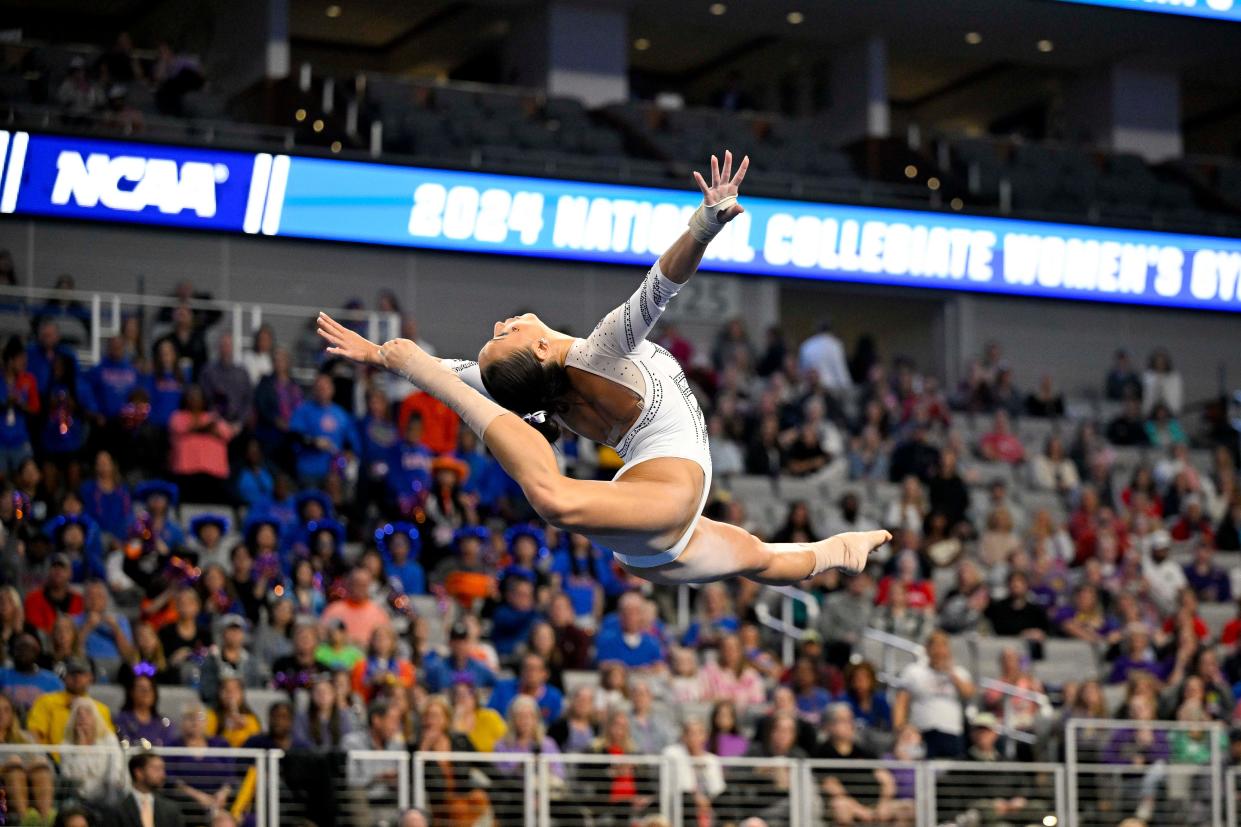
(671, 423)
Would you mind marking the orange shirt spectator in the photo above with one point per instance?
(361, 615)
(439, 423)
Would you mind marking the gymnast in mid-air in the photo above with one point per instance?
(617, 388)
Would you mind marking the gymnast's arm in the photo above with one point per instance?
(622, 330)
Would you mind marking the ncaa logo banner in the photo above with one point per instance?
(116, 181)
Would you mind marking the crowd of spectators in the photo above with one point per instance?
(334, 520)
(114, 88)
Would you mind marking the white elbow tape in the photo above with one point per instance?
(705, 223)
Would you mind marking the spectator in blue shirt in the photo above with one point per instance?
(326, 431)
(440, 673)
(165, 384)
(75, 536)
(66, 403)
(105, 499)
(377, 437)
(255, 483)
(513, 619)
(715, 618)
(409, 470)
(105, 634)
(44, 350)
(533, 682)
(629, 643)
(399, 545)
(112, 379)
(24, 681)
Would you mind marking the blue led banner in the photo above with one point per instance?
(350, 201)
(1213, 9)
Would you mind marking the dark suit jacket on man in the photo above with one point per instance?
(167, 813)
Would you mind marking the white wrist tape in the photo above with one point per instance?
(705, 223)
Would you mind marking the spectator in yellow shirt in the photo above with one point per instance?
(49, 714)
(231, 718)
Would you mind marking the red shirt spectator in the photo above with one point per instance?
(1001, 444)
(919, 593)
(1231, 632)
(1193, 524)
(55, 598)
(439, 423)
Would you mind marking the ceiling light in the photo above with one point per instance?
(1046, 46)
(642, 44)
(911, 171)
(717, 9)
(332, 11)
(795, 17)
(932, 184)
(973, 38)
(956, 204)
(317, 126)
(299, 115)
(335, 146)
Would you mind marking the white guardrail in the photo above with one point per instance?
(1100, 783)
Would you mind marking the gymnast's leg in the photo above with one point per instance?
(719, 550)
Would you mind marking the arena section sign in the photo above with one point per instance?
(371, 203)
(1213, 9)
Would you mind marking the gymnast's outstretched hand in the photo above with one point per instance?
(348, 343)
(723, 184)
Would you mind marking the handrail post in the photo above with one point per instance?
(1230, 797)
(238, 337)
(1062, 802)
(273, 781)
(786, 612)
(420, 783)
(96, 327)
(541, 789)
(261, 788)
(402, 782)
(922, 812)
(683, 607)
(1070, 768)
(1217, 776)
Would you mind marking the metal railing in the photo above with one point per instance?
(369, 788)
(102, 314)
(1162, 772)
(786, 624)
(238, 780)
(891, 645)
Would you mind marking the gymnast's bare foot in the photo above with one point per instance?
(849, 551)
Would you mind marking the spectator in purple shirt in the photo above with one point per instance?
(1138, 656)
(140, 719)
(1210, 582)
(1085, 618)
